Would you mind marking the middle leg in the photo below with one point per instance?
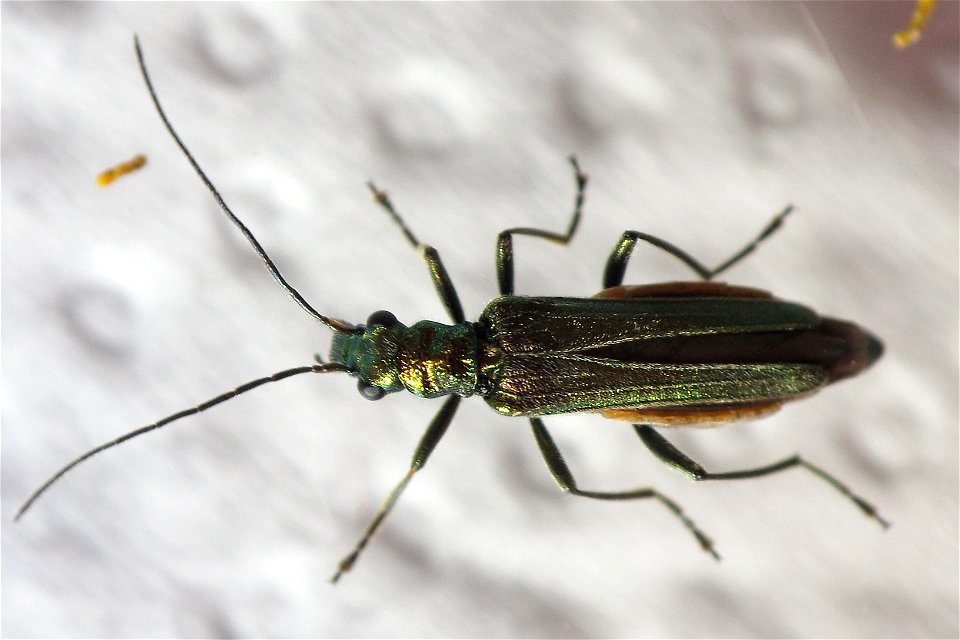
(505, 239)
(561, 473)
(617, 263)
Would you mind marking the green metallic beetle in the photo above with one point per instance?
(669, 354)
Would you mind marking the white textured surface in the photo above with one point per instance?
(696, 123)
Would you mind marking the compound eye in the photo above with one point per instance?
(369, 391)
(382, 318)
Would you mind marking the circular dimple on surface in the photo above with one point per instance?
(425, 108)
(101, 315)
(114, 289)
(612, 90)
(241, 45)
(271, 202)
(781, 82)
(944, 77)
(900, 433)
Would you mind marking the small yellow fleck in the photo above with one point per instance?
(918, 21)
(121, 169)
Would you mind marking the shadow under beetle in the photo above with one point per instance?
(670, 354)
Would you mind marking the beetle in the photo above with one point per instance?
(667, 354)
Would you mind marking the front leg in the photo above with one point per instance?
(441, 280)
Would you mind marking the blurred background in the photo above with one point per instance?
(697, 122)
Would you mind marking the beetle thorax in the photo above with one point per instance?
(435, 359)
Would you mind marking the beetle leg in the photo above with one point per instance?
(435, 430)
(505, 239)
(561, 473)
(617, 262)
(675, 458)
(441, 280)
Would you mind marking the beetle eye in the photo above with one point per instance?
(382, 318)
(369, 391)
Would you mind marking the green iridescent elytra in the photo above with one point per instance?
(532, 356)
(669, 354)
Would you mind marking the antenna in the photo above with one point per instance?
(325, 367)
(322, 367)
(333, 323)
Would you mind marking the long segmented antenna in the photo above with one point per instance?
(333, 323)
(326, 367)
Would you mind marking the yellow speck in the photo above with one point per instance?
(918, 21)
(121, 169)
